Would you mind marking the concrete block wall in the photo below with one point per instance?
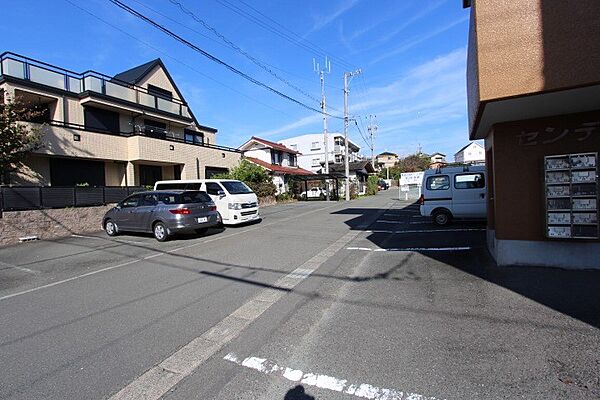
(50, 224)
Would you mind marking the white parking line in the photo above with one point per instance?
(361, 390)
(4, 265)
(412, 249)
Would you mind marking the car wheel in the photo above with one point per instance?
(160, 232)
(442, 217)
(220, 224)
(111, 228)
(201, 231)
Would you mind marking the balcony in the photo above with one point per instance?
(23, 68)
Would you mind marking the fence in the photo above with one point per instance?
(20, 198)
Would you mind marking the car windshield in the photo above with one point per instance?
(236, 187)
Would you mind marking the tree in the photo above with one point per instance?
(16, 138)
(414, 163)
(252, 175)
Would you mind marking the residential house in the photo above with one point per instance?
(437, 160)
(359, 173)
(533, 91)
(279, 160)
(132, 129)
(386, 160)
(312, 150)
(472, 153)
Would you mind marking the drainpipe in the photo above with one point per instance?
(197, 168)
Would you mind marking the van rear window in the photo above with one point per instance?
(469, 181)
(438, 182)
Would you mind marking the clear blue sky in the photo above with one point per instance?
(412, 53)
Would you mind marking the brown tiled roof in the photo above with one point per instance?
(279, 168)
(273, 145)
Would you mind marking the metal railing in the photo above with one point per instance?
(25, 68)
(21, 198)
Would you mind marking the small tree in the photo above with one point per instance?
(16, 139)
(414, 163)
(372, 185)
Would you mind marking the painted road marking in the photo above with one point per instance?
(158, 380)
(442, 230)
(387, 221)
(4, 265)
(412, 249)
(49, 285)
(362, 390)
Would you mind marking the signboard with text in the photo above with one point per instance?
(411, 178)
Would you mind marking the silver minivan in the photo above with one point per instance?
(163, 213)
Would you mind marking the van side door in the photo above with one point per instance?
(213, 189)
(437, 194)
(469, 195)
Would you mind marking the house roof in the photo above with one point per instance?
(464, 147)
(358, 166)
(438, 154)
(269, 144)
(135, 74)
(387, 153)
(279, 168)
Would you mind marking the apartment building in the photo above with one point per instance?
(533, 85)
(312, 150)
(133, 128)
(279, 160)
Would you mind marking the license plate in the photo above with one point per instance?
(202, 219)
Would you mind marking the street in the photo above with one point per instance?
(365, 299)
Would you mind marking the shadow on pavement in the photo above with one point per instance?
(572, 292)
(297, 393)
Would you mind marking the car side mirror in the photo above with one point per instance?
(118, 206)
(221, 193)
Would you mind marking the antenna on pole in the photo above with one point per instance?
(321, 72)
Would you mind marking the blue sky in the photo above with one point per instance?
(412, 54)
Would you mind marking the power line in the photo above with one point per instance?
(211, 57)
(175, 59)
(291, 36)
(250, 57)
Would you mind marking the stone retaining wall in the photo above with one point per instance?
(48, 224)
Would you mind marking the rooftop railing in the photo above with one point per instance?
(21, 67)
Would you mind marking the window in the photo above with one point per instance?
(315, 146)
(156, 91)
(150, 200)
(469, 181)
(211, 172)
(292, 160)
(316, 162)
(101, 120)
(193, 197)
(439, 182)
(339, 141)
(213, 188)
(131, 201)
(276, 157)
(339, 158)
(155, 128)
(193, 136)
(293, 146)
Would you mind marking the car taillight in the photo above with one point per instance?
(213, 208)
(181, 211)
(422, 200)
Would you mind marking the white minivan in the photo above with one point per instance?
(454, 192)
(236, 202)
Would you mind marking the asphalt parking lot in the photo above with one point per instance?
(365, 299)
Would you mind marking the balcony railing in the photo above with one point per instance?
(25, 68)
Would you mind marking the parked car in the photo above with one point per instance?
(382, 185)
(454, 192)
(163, 213)
(236, 202)
(314, 193)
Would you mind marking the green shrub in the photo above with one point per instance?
(262, 189)
(285, 196)
(372, 185)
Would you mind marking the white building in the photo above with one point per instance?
(312, 149)
(438, 158)
(279, 160)
(471, 153)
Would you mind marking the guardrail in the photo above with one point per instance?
(22, 198)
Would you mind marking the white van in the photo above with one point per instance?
(236, 202)
(454, 192)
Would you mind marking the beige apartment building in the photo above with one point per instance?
(130, 129)
(533, 84)
(387, 159)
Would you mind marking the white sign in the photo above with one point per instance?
(404, 188)
(411, 178)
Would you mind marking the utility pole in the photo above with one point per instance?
(372, 128)
(346, 158)
(324, 112)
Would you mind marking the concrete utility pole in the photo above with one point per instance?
(324, 112)
(372, 128)
(346, 158)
